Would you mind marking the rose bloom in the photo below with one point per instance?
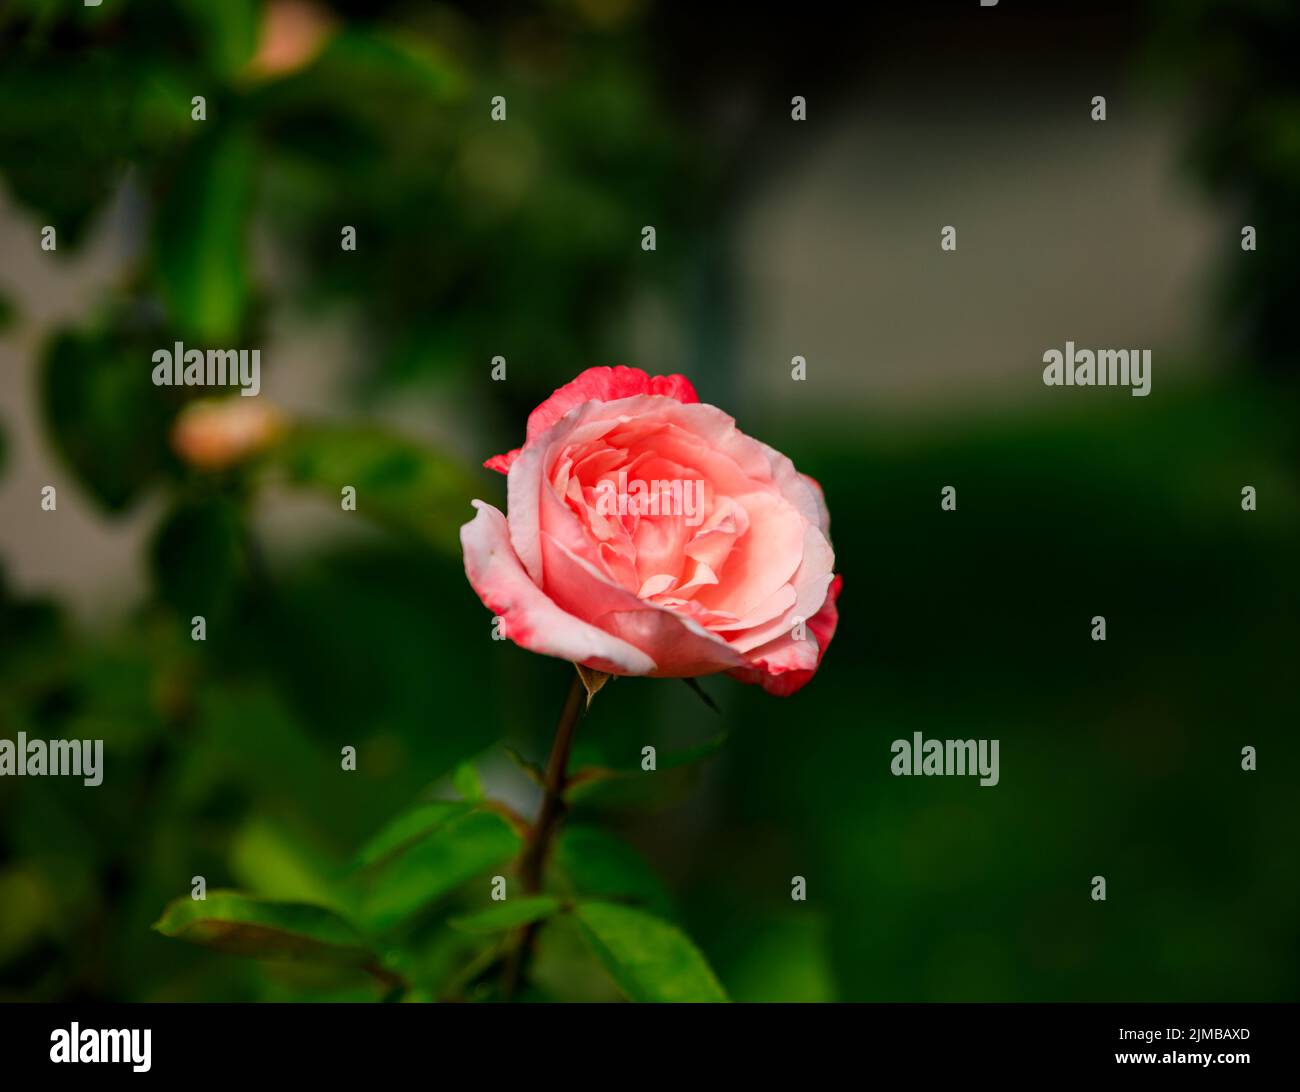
(744, 585)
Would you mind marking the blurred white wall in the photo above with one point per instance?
(1066, 229)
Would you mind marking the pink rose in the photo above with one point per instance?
(647, 535)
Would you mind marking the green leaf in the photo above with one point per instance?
(104, 415)
(598, 864)
(409, 827)
(508, 915)
(238, 924)
(466, 781)
(436, 864)
(63, 153)
(275, 862)
(648, 959)
(399, 483)
(201, 239)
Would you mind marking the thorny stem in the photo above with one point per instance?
(532, 860)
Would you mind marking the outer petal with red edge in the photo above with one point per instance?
(531, 619)
(603, 384)
(777, 667)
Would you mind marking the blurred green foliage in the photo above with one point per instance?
(472, 240)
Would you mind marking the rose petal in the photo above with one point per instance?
(781, 669)
(602, 384)
(532, 620)
(810, 583)
(684, 647)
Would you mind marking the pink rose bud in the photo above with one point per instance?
(213, 434)
(293, 32)
(647, 535)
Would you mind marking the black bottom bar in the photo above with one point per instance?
(339, 1042)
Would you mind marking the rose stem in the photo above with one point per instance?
(532, 861)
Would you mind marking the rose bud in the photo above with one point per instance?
(213, 434)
